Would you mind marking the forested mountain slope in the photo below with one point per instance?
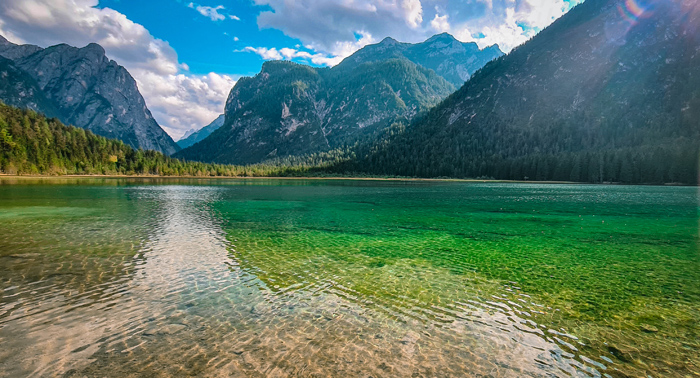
(31, 143)
(291, 109)
(609, 92)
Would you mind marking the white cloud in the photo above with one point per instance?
(198, 100)
(213, 13)
(507, 34)
(329, 25)
(265, 53)
(332, 26)
(413, 12)
(440, 24)
(287, 53)
(510, 23)
(152, 62)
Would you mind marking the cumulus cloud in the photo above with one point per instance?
(510, 23)
(339, 27)
(341, 50)
(329, 25)
(178, 100)
(185, 102)
(440, 24)
(413, 12)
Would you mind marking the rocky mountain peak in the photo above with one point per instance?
(443, 53)
(87, 90)
(12, 51)
(388, 41)
(94, 48)
(492, 48)
(442, 37)
(194, 136)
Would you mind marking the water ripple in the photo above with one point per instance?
(160, 285)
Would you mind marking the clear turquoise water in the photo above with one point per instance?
(138, 277)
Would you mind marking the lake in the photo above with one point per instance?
(318, 278)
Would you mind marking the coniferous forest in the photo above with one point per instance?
(570, 104)
(395, 153)
(31, 143)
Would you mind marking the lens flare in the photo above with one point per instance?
(632, 11)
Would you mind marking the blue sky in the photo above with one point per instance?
(212, 36)
(186, 55)
(206, 44)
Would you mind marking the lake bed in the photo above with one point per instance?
(265, 277)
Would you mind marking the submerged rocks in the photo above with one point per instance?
(648, 328)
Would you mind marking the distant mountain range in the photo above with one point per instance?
(455, 61)
(292, 109)
(82, 87)
(600, 95)
(194, 136)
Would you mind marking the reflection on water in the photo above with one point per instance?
(159, 280)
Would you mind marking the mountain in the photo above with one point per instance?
(192, 137)
(606, 93)
(292, 109)
(455, 61)
(187, 134)
(80, 86)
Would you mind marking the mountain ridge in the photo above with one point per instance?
(293, 109)
(195, 136)
(455, 65)
(86, 89)
(577, 102)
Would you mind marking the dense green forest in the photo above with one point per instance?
(570, 104)
(672, 162)
(33, 144)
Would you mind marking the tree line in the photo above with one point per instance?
(33, 144)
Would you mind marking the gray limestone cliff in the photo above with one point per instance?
(81, 87)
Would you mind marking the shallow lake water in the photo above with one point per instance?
(342, 278)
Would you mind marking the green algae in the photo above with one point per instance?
(617, 266)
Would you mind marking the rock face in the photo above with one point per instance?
(19, 89)
(292, 109)
(606, 93)
(192, 137)
(82, 87)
